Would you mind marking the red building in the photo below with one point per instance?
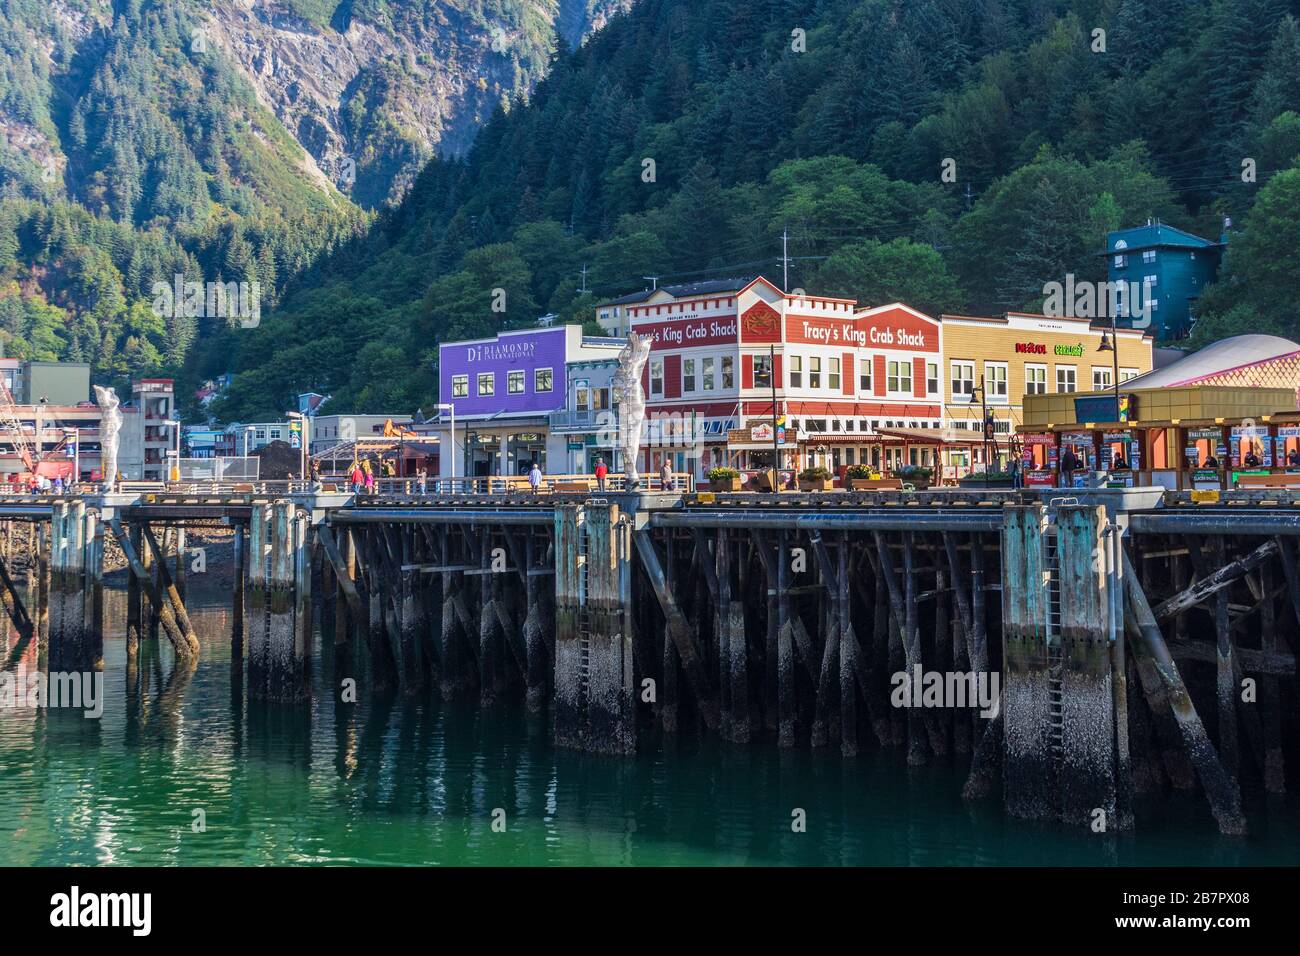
(738, 368)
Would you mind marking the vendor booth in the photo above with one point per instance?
(1202, 437)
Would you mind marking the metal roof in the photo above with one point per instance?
(1226, 355)
(685, 290)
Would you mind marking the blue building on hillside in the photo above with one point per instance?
(1170, 266)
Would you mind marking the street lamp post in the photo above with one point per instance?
(776, 442)
(305, 424)
(175, 426)
(75, 435)
(1112, 345)
(451, 460)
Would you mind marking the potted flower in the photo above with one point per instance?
(917, 476)
(861, 477)
(816, 478)
(724, 479)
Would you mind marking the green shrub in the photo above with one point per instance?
(723, 474)
(817, 473)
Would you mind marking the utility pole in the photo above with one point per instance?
(654, 280)
(583, 290)
(785, 260)
(968, 197)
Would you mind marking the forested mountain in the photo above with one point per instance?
(687, 136)
(231, 141)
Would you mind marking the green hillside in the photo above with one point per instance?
(684, 139)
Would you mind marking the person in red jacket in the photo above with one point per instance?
(601, 471)
(357, 479)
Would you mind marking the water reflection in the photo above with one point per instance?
(391, 780)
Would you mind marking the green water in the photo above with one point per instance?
(417, 783)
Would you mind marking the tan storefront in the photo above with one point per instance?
(1018, 354)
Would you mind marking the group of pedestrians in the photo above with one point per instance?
(43, 485)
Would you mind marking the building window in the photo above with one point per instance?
(460, 386)
(796, 371)
(833, 374)
(1148, 255)
(1065, 379)
(688, 375)
(728, 372)
(815, 372)
(1101, 378)
(931, 378)
(582, 397)
(900, 377)
(707, 374)
(1121, 262)
(1127, 373)
(963, 379)
(1035, 379)
(515, 382)
(487, 383)
(657, 377)
(864, 376)
(275, 434)
(542, 380)
(762, 371)
(995, 381)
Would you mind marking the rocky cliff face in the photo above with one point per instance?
(375, 91)
(370, 89)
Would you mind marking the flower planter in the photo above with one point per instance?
(990, 484)
(815, 484)
(724, 484)
(874, 484)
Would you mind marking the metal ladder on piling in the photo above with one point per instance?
(584, 618)
(1055, 654)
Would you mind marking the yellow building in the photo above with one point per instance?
(1019, 354)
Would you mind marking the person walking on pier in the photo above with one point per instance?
(666, 476)
(357, 478)
(601, 471)
(535, 477)
(422, 480)
(369, 477)
(1069, 465)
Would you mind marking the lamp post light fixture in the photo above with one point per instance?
(451, 460)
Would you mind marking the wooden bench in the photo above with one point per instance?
(876, 484)
(1269, 481)
(583, 486)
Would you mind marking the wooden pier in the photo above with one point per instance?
(1079, 649)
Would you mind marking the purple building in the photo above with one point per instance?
(505, 390)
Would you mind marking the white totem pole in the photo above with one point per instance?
(631, 396)
(109, 427)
